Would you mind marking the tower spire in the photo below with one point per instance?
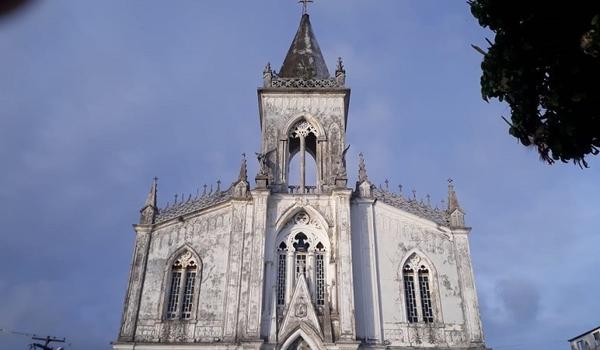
(304, 58)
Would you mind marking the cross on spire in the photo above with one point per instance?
(305, 5)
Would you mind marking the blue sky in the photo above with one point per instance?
(98, 97)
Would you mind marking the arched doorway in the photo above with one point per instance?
(304, 338)
(299, 344)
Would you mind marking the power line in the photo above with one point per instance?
(46, 339)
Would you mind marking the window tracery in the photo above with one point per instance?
(302, 129)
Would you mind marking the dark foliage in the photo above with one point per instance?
(545, 63)
(9, 6)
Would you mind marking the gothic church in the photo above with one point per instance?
(309, 265)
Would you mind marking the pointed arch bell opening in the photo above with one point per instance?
(302, 173)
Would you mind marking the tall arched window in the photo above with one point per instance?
(281, 269)
(182, 287)
(409, 295)
(320, 274)
(417, 296)
(425, 293)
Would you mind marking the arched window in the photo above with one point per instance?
(182, 287)
(298, 255)
(417, 296)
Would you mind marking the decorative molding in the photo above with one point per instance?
(295, 83)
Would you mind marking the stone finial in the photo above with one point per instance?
(400, 190)
(364, 188)
(241, 186)
(340, 72)
(362, 169)
(268, 75)
(218, 186)
(457, 216)
(204, 192)
(452, 199)
(243, 169)
(387, 185)
(149, 210)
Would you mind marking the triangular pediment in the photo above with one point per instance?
(300, 312)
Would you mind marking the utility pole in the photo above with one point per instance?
(47, 340)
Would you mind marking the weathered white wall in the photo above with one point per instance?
(381, 314)
(209, 236)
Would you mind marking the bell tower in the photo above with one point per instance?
(303, 113)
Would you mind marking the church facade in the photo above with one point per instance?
(314, 264)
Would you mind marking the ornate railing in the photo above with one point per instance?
(307, 190)
(304, 83)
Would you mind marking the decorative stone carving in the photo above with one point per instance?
(301, 309)
(302, 218)
(302, 129)
(305, 83)
(185, 260)
(264, 163)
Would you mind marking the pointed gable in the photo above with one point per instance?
(304, 58)
(300, 312)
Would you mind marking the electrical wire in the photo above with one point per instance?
(29, 335)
